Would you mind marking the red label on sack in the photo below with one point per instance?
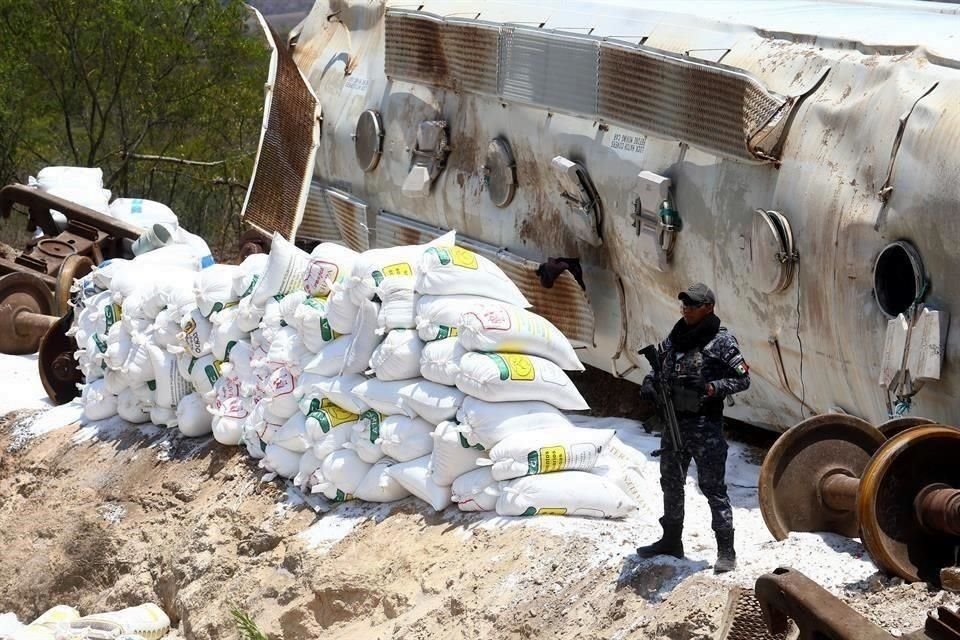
(495, 318)
(233, 408)
(317, 275)
(281, 382)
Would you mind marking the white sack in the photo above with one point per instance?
(142, 213)
(279, 399)
(451, 456)
(329, 360)
(505, 328)
(343, 471)
(98, 403)
(502, 377)
(398, 309)
(398, 356)
(404, 439)
(287, 349)
(546, 451)
(476, 490)
(333, 441)
(228, 418)
(434, 402)
(365, 339)
(572, 493)
(204, 373)
(415, 478)
(487, 423)
(329, 263)
(193, 419)
(163, 417)
(131, 409)
(385, 397)
(438, 317)
(166, 327)
(365, 439)
(171, 386)
(281, 461)
(341, 309)
(309, 464)
(214, 289)
(440, 361)
(195, 337)
(339, 390)
(226, 333)
(310, 321)
(114, 382)
(323, 416)
(249, 315)
(284, 273)
(293, 434)
(118, 346)
(289, 304)
(248, 274)
(380, 486)
(448, 270)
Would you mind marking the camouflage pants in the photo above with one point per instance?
(703, 441)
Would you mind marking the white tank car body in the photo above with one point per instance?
(865, 148)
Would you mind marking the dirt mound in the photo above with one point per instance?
(108, 516)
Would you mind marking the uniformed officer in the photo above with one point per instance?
(701, 365)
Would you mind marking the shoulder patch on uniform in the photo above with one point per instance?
(742, 368)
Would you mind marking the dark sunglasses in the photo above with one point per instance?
(690, 305)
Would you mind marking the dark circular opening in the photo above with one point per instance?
(897, 277)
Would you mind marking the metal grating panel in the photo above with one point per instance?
(453, 55)
(278, 191)
(395, 231)
(743, 618)
(472, 53)
(565, 305)
(550, 70)
(318, 223)
(350, 217)
(708, 106)
(414, 48)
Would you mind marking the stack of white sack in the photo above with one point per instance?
(408, 370)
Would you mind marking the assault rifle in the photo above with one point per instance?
(664, 401)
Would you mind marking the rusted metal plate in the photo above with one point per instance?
(318, 222)
(743, 618)
(351, 218)
(451, 54)
(706, 105)
(277, 194)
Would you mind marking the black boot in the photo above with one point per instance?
(671, 544)
(726, 555)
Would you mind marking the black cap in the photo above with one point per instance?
(698, 293)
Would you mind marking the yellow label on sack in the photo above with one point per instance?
(399, 269)
(520, 366)
(337, 415)
(552, 459)
(552, 511)
(464, 258)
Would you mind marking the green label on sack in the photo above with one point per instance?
(213, 372)
(466, 445)
(112, 313)
(190, 366)
(101, 345)
(152, 385)
(501, 365)
(253, 284)
(442, 255)
(531, 511)
(314, 405)
(321, 417)
(446, 332)
(230, 345)
(326, 333)
(374, 419)
(342, 497)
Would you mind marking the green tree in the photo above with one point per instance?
(165, 96)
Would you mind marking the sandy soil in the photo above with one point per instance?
(111, 516)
